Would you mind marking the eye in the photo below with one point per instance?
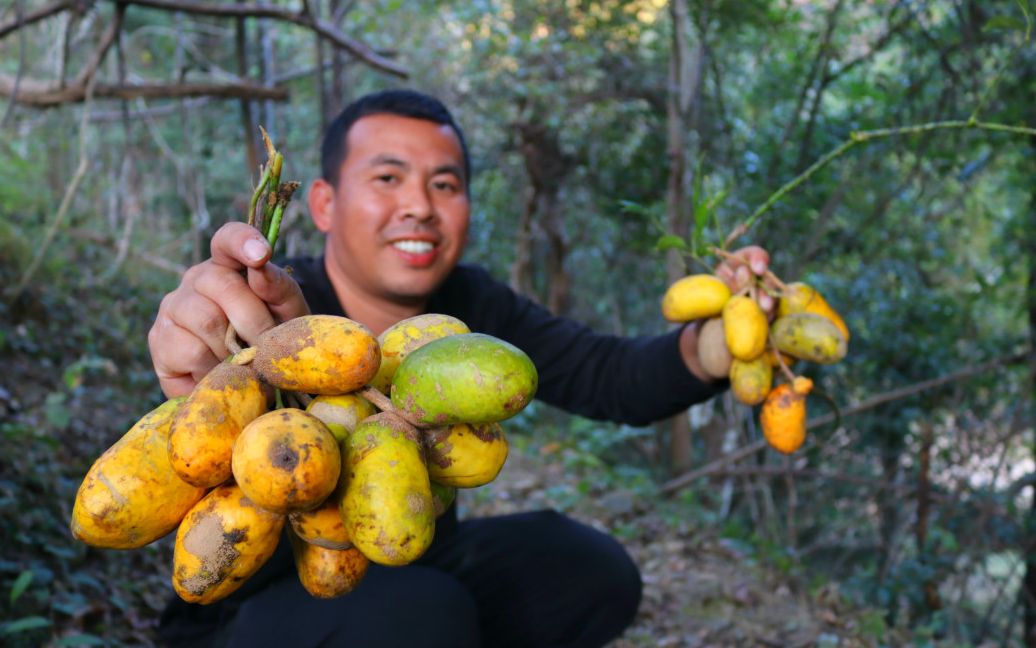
(386, 178)
(447, 186)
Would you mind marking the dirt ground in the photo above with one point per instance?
(699, 591)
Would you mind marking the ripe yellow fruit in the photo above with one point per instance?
(317, 354)
(783, 415)
(750, 381)
(221, 543)
(327, 573)
(286, 460)
(341, 414)
(201, 441)
(745, 328)
(694, 297)
(322, 526)
(465, 455)
(802, 298)
(131, 496)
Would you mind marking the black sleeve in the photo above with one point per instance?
(625, 380)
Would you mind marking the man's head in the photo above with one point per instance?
(405, 103)
(393, 199)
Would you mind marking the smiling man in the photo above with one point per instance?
(395, 207)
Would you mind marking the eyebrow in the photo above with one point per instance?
(391, 160)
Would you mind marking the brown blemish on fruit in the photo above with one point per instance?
(214, 547)
(283, 456)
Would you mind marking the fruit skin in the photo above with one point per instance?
(809, 337)
(404, 337)
(442, 497)
(201, 441)
(694, 297)
(467, 378)
(745, 328)
(713, 354)
(131, 496)
(341, 413)
(286, 460)
(322, 526)
(783, 415)
(317, 354)
(750, 381)
(387, 500)
(221, 542)
(327, 573)
(799, 297)
(465, 456)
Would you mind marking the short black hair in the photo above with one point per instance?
(405, 103)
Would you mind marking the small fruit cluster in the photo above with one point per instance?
(354, 484)
(737, 341)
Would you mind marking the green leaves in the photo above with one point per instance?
(20, 584)
(24, 625)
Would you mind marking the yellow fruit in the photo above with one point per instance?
(221, 542)
(745, 328)
(406, 336)
(341, 414)
(750, 381)
(802, 298)
(131, 495)
(810, 337)
(322, 526)
(713, 353)
(204, 429)
(387, 501)
(327, 573)
(317, 354)
(286, 460)
(772, 355)
(465, 455)
(694, 297)
(783, 415)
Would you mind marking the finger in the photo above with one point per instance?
(234, 297)
(755, 258)
(279, 290)
(742, 277)
(202, 317)
(180, 358)
(239, 245)
(766, 302)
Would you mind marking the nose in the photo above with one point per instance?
(417, 203)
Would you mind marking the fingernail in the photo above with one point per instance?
(758, 267)
(256, 249)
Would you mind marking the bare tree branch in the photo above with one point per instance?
(43, 12)
(301, 18)
(48, 94)
(713, 467)
(148, 257)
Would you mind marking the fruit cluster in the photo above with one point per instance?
(352, 484)
(738, 341)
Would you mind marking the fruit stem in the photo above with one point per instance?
(780, 359)
(382, 402)
(230, 340)
(243, 356)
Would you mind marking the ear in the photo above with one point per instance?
(321, 201)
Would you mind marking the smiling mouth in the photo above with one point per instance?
(411, 246)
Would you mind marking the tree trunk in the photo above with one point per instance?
(1028, 590)
(685, 75)
(521, 269)
(247, 119)
(318, 42)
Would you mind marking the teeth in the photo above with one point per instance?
(413, 247)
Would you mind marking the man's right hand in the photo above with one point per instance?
(236, 285)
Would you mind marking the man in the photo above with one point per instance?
(393, 201)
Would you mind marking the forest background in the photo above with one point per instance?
(608, 138)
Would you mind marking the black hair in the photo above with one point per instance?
(405, 103)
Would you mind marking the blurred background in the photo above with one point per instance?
(129, 134)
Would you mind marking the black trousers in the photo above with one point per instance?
(531, 579)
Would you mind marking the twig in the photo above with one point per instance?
(858, 137)
(66, 201)
(35, 16)
(678, 483)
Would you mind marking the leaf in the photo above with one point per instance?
(23, 624)
(671, 242)
(79, 640)
(1003, 22)
(20, 584)
(56, 411)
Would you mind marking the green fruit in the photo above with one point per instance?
(404, 337)
(809, 337)
(469, 378)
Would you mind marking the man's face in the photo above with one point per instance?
(398, 219)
